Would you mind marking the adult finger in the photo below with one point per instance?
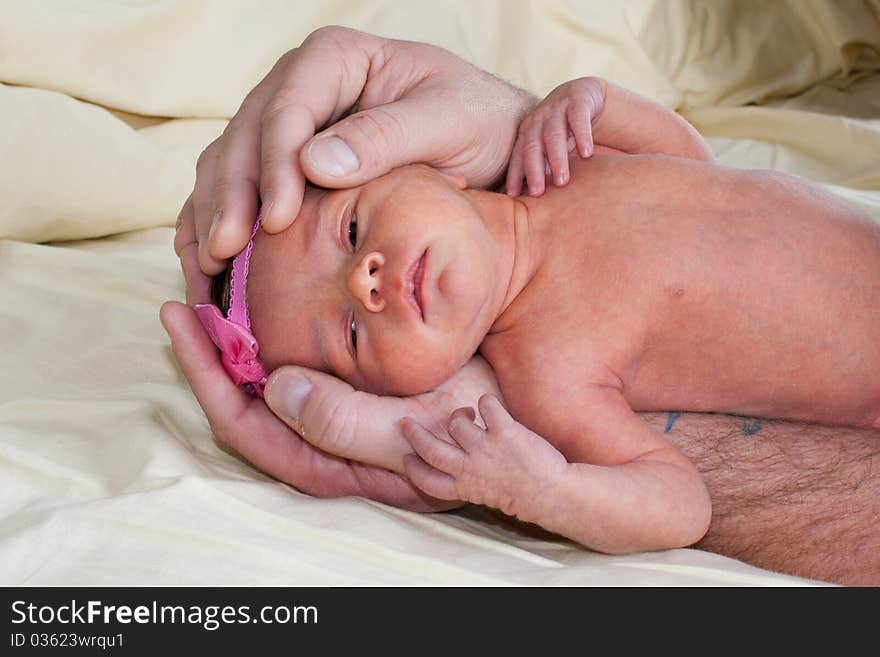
(338, 419)
(371, 142)
(234, 198)
(282, 184)
(198, 285)
(202, 193)
(185, 230)
(302, 103)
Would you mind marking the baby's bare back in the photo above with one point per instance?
(697, 287)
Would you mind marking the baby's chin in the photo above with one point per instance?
(412, 381)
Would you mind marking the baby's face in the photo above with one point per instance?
(385, 285)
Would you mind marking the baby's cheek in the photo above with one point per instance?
(280, 347)
(406, 369)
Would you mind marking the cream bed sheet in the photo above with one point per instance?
(109, 474)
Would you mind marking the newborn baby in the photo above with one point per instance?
(650, 282)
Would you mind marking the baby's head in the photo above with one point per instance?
(386, 286)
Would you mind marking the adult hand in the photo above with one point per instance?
(403, 102)
(343, 423)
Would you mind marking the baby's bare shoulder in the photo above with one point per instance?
(551, 394)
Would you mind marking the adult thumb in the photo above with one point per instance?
(367, 144)
(331, 415)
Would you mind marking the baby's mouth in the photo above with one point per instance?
(418, 277)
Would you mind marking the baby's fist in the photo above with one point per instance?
(558, 124)
(505, 466)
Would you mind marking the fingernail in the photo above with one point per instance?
(333, 156)
(265, 205)
(215, 220)
(291, 390)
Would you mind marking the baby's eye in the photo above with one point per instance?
(354, 336)
(353, 230)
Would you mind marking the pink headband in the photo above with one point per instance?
(232, 334)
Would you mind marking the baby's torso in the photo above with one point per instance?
(695, 287)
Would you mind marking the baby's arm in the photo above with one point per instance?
(588, 111)
(653, 499)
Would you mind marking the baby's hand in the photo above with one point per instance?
(505, 466)
(545, 138)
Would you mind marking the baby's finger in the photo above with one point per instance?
(438, 453)
(513, 186)
(493, 412)
(555, 133)
(579, 123)
(433, 482)
(463, 430)
(533, 159)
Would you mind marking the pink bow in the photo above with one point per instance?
(238, 349)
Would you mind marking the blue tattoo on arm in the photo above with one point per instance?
(670, 420)
(751, 426)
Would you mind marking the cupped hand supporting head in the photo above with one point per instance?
(355, 426)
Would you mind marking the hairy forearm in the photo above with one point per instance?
(795, 498)
(634, 124)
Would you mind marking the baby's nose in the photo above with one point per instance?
(365, 282)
